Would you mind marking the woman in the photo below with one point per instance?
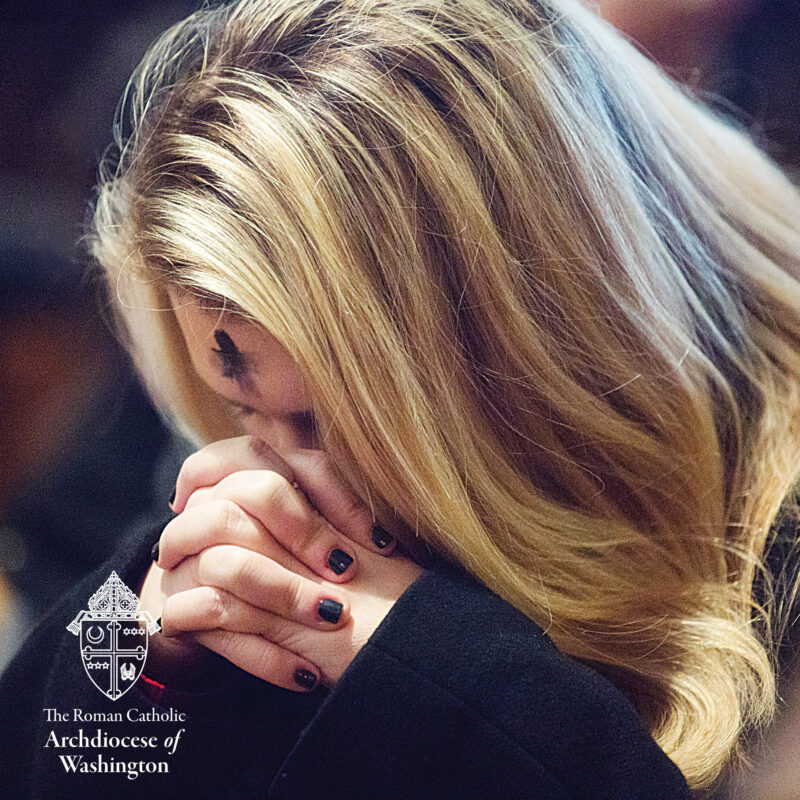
(476, 273)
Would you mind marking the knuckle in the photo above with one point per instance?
(281, 632)
(225, 639)
(222, 565)
(276, 488)
(292, 595)
(275, 631)
(268, 662)
(168, 609)
(236, 565)
(229, 518)
(317, 526)
(294, 641)
(218, 606)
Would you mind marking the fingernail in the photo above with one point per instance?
(154, 551)
(305, 678)
(381, 536)
(158, 622)
(329, 610)
(339, 561)
(172, 497)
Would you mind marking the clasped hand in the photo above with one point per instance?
(271, 563)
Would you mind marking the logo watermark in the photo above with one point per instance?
(114, 636)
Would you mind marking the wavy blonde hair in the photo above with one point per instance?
(548, 308)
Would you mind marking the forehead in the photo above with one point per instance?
(276, 380)
(198, 323)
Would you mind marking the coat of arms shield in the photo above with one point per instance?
(114, 636)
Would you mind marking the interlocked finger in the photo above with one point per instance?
(291, 520)
(260, 582)
(215, 461)
(219, 522)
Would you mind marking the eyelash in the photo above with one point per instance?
(242, 411)
(304, 420)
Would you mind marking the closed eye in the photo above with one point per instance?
(239, 409)
(304, 422)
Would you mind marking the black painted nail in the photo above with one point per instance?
(305, 678)
(329, 610)
(154, 551)
(381, 536)
(339, 561)
(158, 622)
(172, 497)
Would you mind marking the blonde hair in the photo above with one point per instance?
(548, 308)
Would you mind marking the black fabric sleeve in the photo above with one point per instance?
(458, 695)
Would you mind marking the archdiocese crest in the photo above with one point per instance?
(113, 642)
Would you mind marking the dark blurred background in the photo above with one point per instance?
(83, 456)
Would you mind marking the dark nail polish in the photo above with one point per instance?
(339, 561)
(329, 610)
(172, 497)
(381, 536)
(305, 678)
(158, 622)
(154, 551)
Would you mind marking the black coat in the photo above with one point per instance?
(456, 695)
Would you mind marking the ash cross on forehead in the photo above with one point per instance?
(234, 364)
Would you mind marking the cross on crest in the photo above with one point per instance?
(114, 636)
